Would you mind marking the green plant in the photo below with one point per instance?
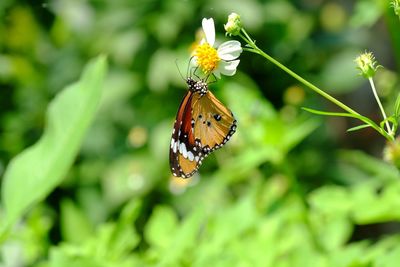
(33, 174)
(288, 190)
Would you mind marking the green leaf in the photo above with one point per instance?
(184, 240)
(75, 225)
(326, 113)
(371, 207)
(34, 173)
(59, 258)
(161, 228)
(397, 107)
(373, 167)
(224, 229)
(359, 127)
(334, 232)
(330, 200)
(352, 115)
(111, 244)
(386, 252)
(124, 237)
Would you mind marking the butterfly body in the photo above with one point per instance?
(202, 125)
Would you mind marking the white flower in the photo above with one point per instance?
(222, 60)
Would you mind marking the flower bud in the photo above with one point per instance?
(234, 24)
(367, 64)
(391, 153)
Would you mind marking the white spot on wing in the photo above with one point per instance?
(190, 155)
(182, 149)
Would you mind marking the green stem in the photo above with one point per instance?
(257, 50)
(371, 82)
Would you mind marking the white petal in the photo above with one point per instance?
(229, 50)
(228, 68)
(209, 30)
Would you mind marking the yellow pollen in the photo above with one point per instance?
(207, 57)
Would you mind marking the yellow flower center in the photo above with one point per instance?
(207, 57)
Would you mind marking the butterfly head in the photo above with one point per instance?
(197, 86)
(190, 82)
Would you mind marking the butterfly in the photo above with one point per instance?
(203, 124)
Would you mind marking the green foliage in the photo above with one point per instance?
(38, 170)
(85, 177)
(110, 244)
(250, 232)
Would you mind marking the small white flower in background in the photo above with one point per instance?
(222, 60)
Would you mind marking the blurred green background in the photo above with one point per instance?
(289, 189)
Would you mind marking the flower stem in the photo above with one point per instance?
(252, 47)
(371, 82)
(257, 50)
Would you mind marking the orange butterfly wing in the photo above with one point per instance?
(202, 125)
(214, 123)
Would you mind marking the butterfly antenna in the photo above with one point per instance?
(188, 74)
(215, 78)
(180, 73)
(195, 74)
